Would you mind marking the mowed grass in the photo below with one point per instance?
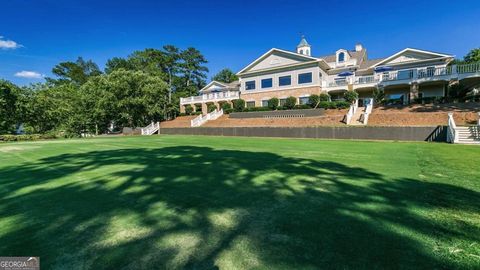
(186, 202)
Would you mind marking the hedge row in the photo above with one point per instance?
(27, 137)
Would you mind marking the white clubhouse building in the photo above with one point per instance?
(405, 75)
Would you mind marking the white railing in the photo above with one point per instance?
(351, 112)
(366, 79)
(368, 111)
(150, 129)
(202, 119)
(468, 68)
(452, 132)
(405, 74)
(211, 97)
(433, 72)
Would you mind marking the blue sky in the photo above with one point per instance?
(229, 33)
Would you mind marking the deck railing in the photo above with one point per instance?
(468, 68)
(366, 79)
(211, 97)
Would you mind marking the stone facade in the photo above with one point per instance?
(280, 94)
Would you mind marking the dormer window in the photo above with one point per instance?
(341, 57)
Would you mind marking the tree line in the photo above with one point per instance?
(131, 91)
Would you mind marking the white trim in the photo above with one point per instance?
(270, 52)
(212, 83)
(246, 92)
(412, 50)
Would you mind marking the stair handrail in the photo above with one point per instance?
(368, 111)
(478, 126)
(351, 112)
(197, 121)
(151, 128)
(452, 132)
(200, 120)
(146, 129)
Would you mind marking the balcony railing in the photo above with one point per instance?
(406, 75)
(211, 97)
(433, 72)
(468, 68)
(337, 83)
(366, 79)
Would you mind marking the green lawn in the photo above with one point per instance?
(240, 203)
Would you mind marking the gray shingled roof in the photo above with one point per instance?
(370, 62)
(233, 85)
(353, 54)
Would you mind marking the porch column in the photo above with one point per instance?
(182, 108)
(217, 104)
(413, 92)
(204, 108)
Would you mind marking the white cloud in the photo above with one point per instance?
(7, 44)
(28, 74)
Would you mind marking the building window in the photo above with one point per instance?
(404, 74)
(267, 83)
(265, 103)
(303, 100)
(305, 78)
(341, 57)
(301, 51)
(250, 104)
(283, 101)
(285, 80)
(250, 85)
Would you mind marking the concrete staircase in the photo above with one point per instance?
(357, 117)
(468, 134)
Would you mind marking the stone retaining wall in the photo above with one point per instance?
(437, 133)
(290, 113)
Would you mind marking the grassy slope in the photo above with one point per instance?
(240, 203)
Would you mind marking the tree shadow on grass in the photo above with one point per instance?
(202, 208)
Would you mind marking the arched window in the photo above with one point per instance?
(301, 51)
(341, 57)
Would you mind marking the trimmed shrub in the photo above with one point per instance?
(273, 103)
(324, 97)
(26, 137)
(313, 100)
(238, 105)
(302, 107)
(211, 107)
(228, 111)
(290, 102)
(188, 109)
(324, 104)
(182, 114)
(259, 109)
(350, 96)
(342, 104)
(226, 106)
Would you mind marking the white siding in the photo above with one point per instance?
(275, 86)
